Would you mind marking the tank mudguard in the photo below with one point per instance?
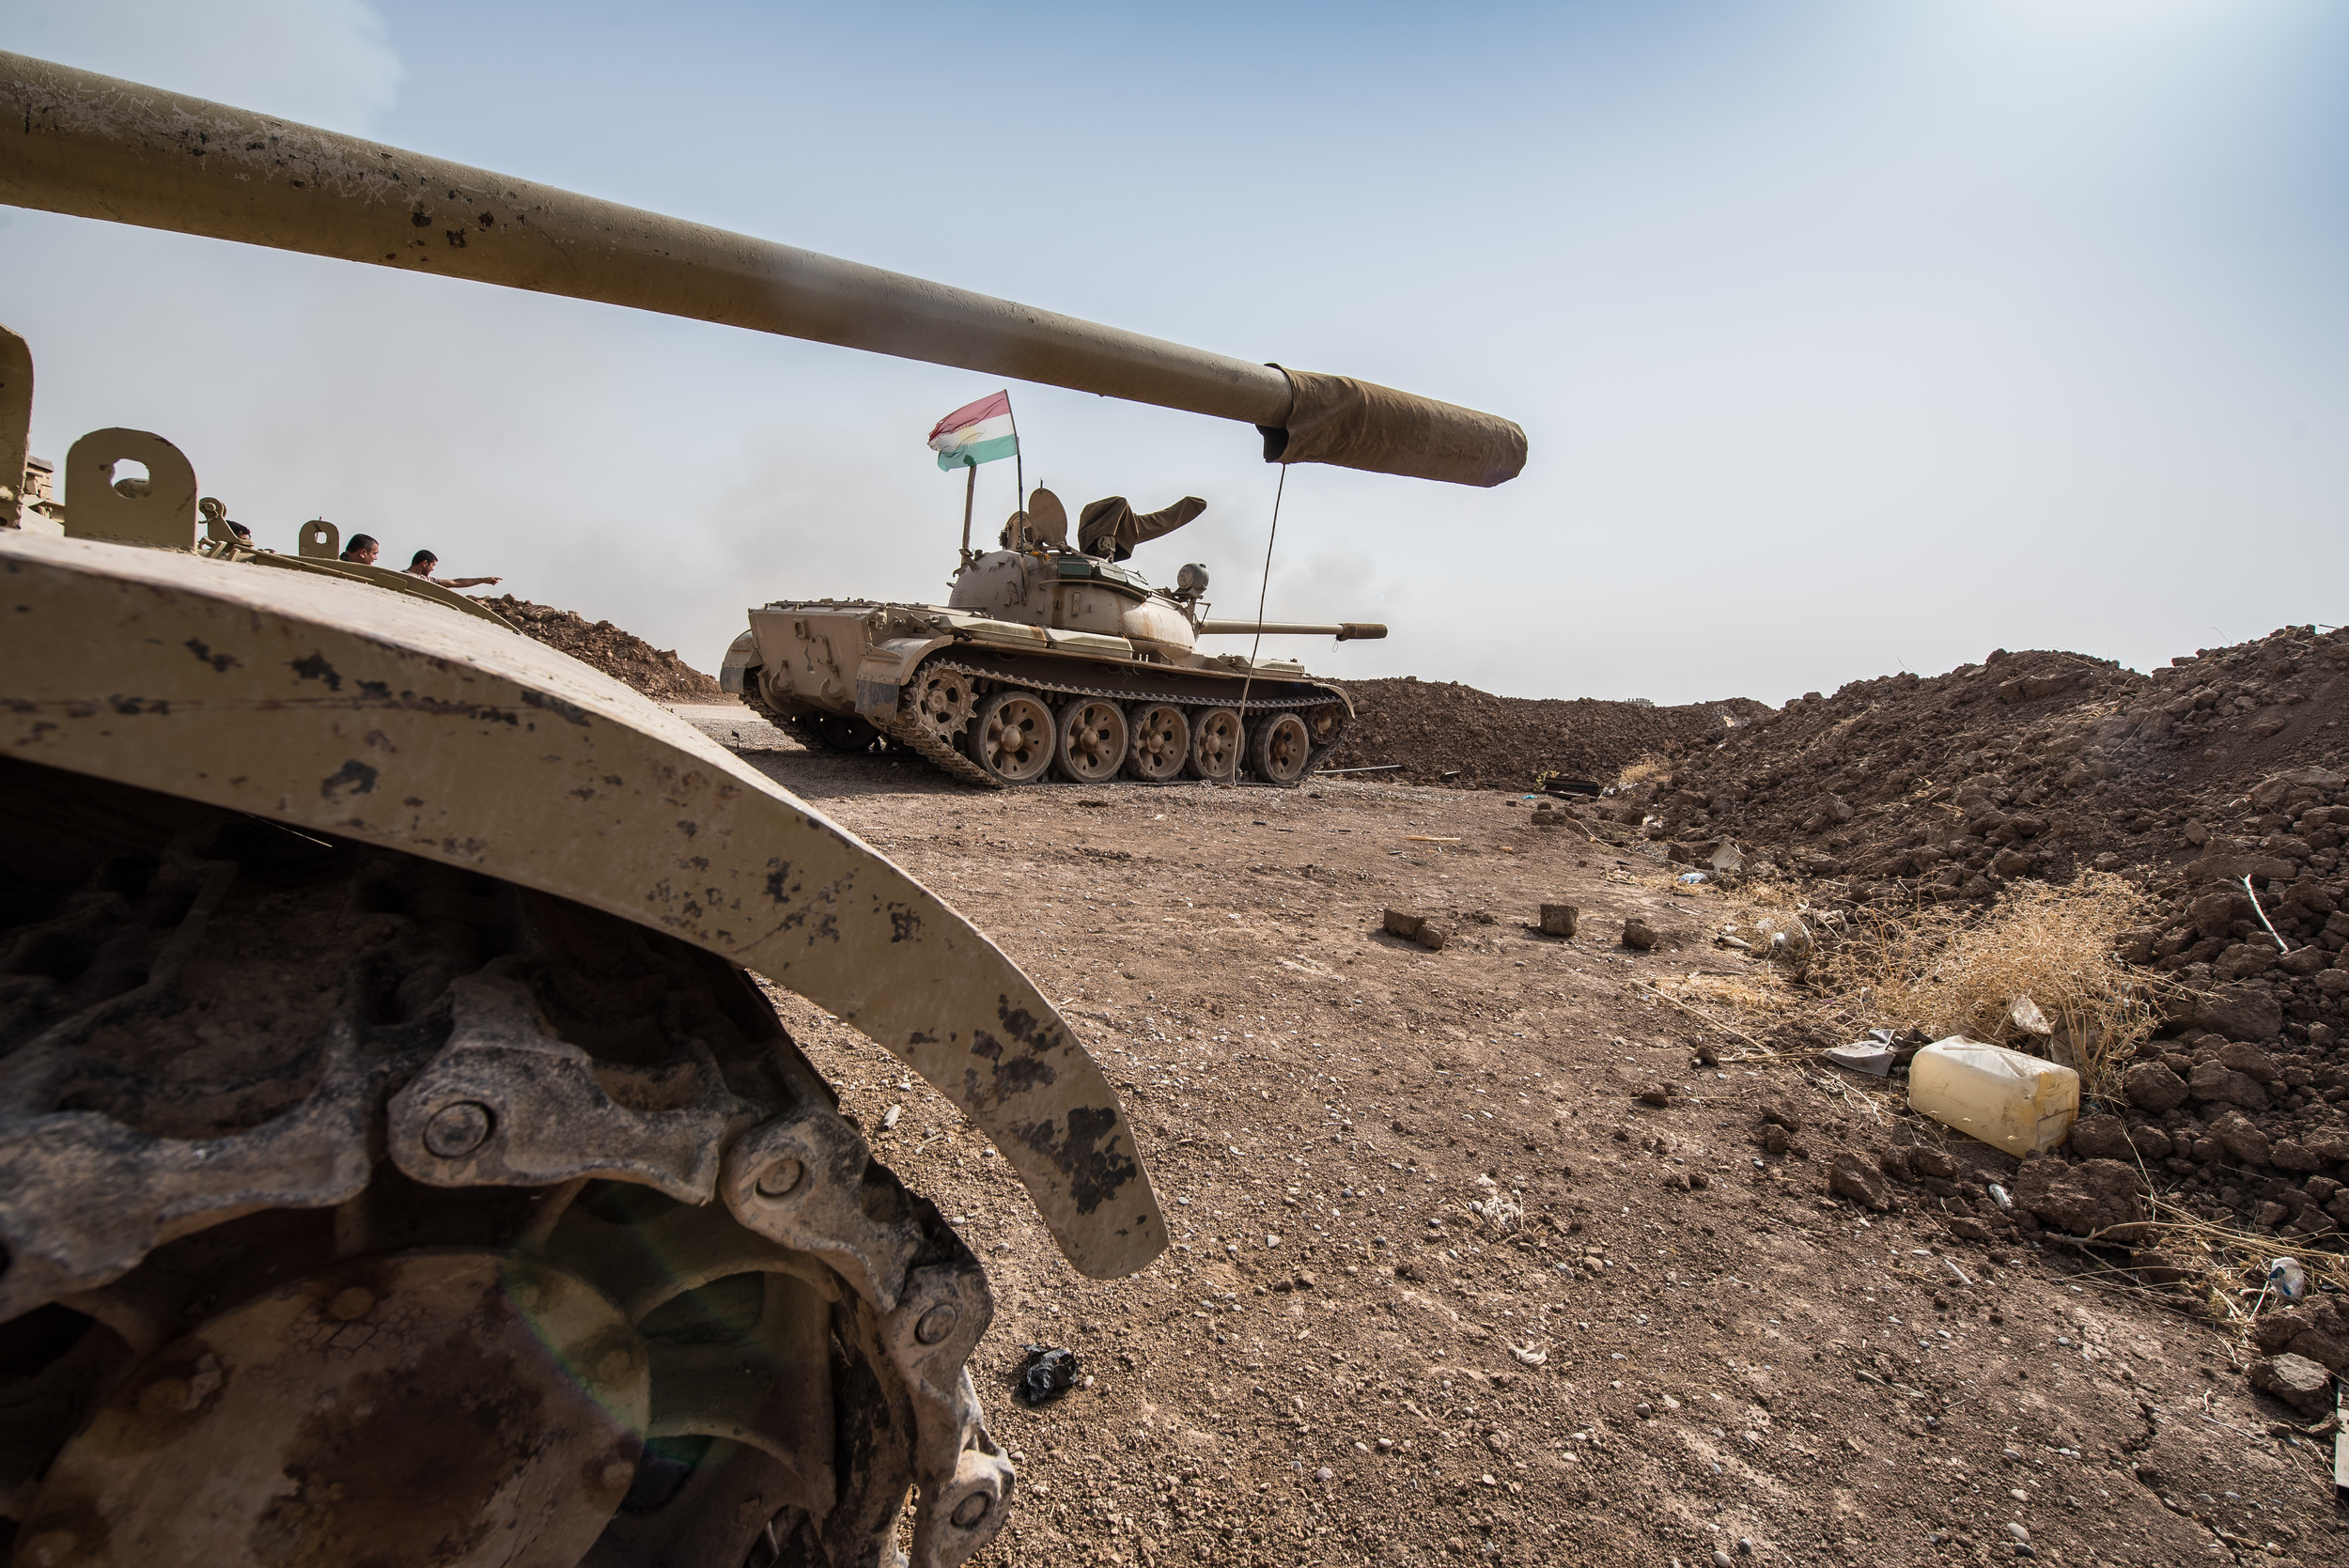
(327, 704)
(882, 672)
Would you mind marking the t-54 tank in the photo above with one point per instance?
(1048, 657)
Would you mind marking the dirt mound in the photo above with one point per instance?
(2231, 763)
(1434, 728)
(658, 673)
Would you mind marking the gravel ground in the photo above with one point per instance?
(1359, 1350)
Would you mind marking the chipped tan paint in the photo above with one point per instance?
(326, 704)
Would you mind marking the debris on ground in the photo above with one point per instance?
(1047, 1373)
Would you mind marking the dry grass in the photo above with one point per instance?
(1957, 972)
(1640, 770)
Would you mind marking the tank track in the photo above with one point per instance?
(224, 1043)
(905, 726)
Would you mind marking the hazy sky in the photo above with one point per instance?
(1848, 338)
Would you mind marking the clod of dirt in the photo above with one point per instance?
(2101, 1137)
(1559, 919)
(2094, 1198)
(658, 673)
(1402, 922)
(2296, 1380)
(2317, 1329)
(1637, 935)
(1047, 1373)
(2151, 1086)
(1850, 1177)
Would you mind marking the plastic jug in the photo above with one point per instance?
(2018, 1103)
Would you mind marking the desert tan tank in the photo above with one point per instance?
(398, 1160)
(1047, 658)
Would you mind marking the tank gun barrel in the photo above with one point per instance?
(1345, 631)
(93, 147)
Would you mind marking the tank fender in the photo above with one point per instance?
(741, 658)
(887, 665)
(323, 704)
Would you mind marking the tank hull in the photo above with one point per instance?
(851, 674)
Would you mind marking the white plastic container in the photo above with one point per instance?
(2018, 1103)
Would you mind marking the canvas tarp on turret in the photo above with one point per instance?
(1112, 527)
(1353, 424)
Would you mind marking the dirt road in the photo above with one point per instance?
(1360, 1351)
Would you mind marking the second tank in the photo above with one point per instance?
(1048, 657)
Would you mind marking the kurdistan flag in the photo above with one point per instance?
(976, 433)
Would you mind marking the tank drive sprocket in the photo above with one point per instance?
(362, 1206)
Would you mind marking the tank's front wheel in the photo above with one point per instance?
(1216, 739)
(1015, 736)
(360, 1208)
(945, 701)
(1161, 743)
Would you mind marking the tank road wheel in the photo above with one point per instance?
(358, 1208)
(1160, 744)
(1280, 750)
(944, 701)
(1324, 722)
(1216, 739)
(1015, 736)
(1091, 740)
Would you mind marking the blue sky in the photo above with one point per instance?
(1848, 338)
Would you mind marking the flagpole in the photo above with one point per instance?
(1019, 464)
(970, 493)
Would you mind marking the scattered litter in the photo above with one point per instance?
(1872, 1057)
(1528, 1356)
(890, 1117)
(2287, 1279)
(1999, 1196)
(2023, 1017)
(1496, 1208)
(1962, 1277)
(1426, 838)
(2011, 1101)
(1691, 878)
(2281, 945)
(1047, 1373)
